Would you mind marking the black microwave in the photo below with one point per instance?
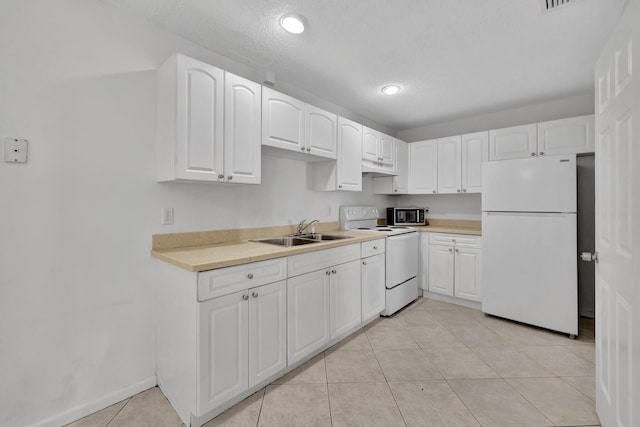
(406, 216)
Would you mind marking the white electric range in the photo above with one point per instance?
(401, 254)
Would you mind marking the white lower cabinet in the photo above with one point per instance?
(455, 263)
(307, 313)
(346, 298)
(242, 342)
(373, 287)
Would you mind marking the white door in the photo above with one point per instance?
(267, 331)
(346, 298)
(474, 151)
(467, 273)
(423, 167)
(349, 162)
(307, 313)
(513, 142)
(449, 174)
(400, 181)
(565, 136)
(321, 129)
(223, 354)
(372, 286)
(441, 269)
(199, 120)
(242, 122)
(617, 129)
(370, 142)
(282, 121)
(386, 151)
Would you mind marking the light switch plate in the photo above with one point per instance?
(167, 216)
(15, 150)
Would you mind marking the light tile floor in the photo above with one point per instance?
(432, 364)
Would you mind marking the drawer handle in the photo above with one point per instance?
(533, 154)
(364, 262)
(250, 276)
(221, 176)
(245, 297)
(254, 294)
(230, 177)
(542, 153)
(334, 272)
(458, 250)
(450, 250)
(301, 148)
(375, 248)
(328, 273)
(308, 148)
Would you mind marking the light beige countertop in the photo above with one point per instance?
(453, 226)
(200, 251)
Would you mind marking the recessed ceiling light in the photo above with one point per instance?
(390, 89)
(292, 23)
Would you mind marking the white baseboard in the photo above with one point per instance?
(83, 410)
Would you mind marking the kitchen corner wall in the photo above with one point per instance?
(77, 297)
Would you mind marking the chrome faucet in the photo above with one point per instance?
(302, 226)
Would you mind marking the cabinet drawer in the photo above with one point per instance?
(214, 283)
(373, 247)
(312, 261)
(459, 240)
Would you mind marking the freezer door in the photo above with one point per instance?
(529, 269)
(538, 184)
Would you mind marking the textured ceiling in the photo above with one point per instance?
(455, 58)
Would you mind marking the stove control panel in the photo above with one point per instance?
(354, 213)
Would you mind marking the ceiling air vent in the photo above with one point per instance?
(550, 5)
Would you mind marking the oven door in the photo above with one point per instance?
(407, 216)
(402, 258)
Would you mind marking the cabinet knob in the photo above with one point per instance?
(395, 191)
(464, 190)
(434, 191)
(308, 148)
(458, 250)
(364, 262)
(245, 297)
(221, 176)
(230, 177)
(339, 186)
(250, 276)
(328, 273)
(254, 294)
(541, 153)
(450, 250)
(458, 190)
(334, 272)
(375, 248)
(453, 240)
(533, 154)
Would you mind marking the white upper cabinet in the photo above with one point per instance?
(399, 183)
(345, 174)
(423, 167)
(194, 107)
(321, 132)
(473, 151)
(449, 165)
(377, 151)
(513, 142)
(566, 136)
(282, 121)
(242, 115)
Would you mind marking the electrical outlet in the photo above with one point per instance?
(167, 216)
(15, 150)
(329, 210)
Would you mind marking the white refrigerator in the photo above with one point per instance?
(529, 239)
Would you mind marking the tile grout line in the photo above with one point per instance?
(118, 413)
(326, 377)
(264, 392)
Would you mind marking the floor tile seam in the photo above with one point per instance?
(435, 365)
(523, 355)
(329, 403)
(577, 389)
(532, 404)
(393, 396)
(264, 392)
(579, 356)
(463, 402)
(118, 412)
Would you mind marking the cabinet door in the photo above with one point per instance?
(566, 136)
(373, 297)
(282, 121)
(423, 261)
(346, 298)
(321, 132)
(441, 269)
(423, 167)
(349, 162)
(370, 142)
(401, 162)
(199, 120)
(512, 143)
(242, 118)
(223, 350)
(449, 175)
(386, 150)
(307, 313)
(474, 151)
(267, 331)
(468, 265)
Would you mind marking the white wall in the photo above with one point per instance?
(454, 206)
(571, 106)
(77, 79)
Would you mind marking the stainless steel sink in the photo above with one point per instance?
(286, 241)
(324, 237)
